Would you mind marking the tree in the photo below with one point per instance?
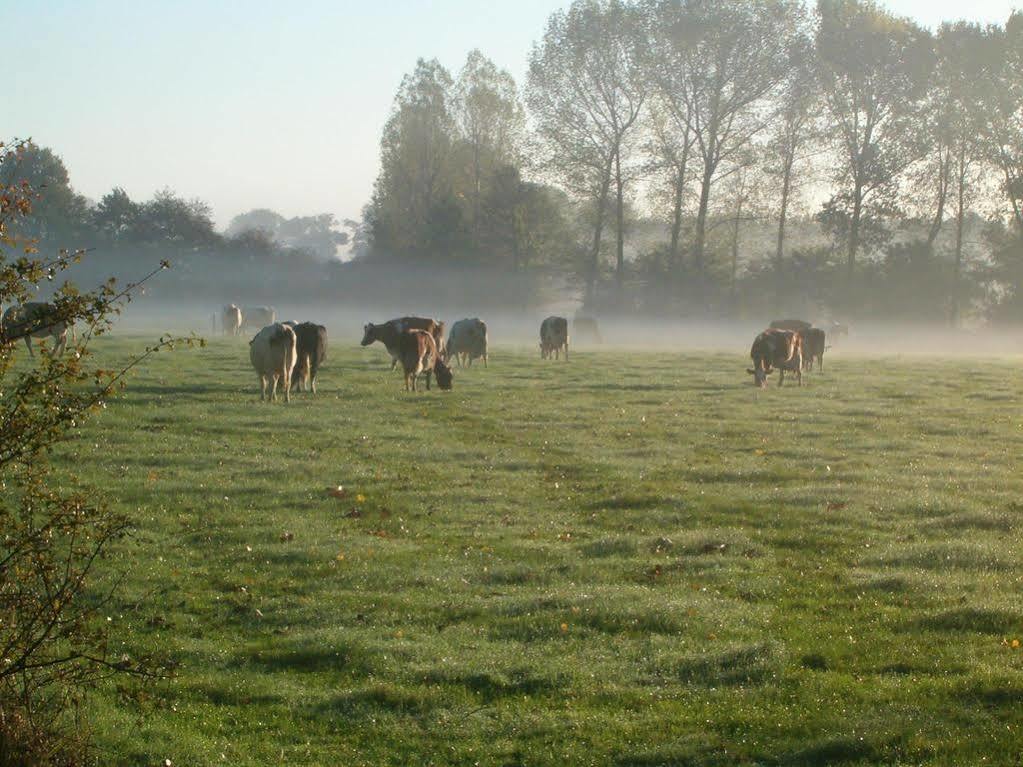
(491, 122)
(873, 68)
(793, 137)
(414, 211)
(116, 215)
(586, 90)
(1003, 112)
(717, 65)
(53, 641)
(60, 215)
(670, 146)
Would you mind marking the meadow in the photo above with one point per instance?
(633, 558)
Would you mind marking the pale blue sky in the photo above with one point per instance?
(255, 104)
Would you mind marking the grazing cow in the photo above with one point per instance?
(418, 353)
(813, 348)
(258, 316)
(553, 337)
(312, 351)
(467, 341)
(273, 351)
(584, 329)
(231, 320)
(388, 333)
(36, 319)
(798, 325)
(774, 348)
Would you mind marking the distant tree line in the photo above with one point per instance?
(123, 236)
(735, 157)
(668, 157)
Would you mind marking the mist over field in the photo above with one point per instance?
(760, 506)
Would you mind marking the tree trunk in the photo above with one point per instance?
(944, 169)
(620, 225)
(598, 229)
(476, 193)
(960, 216)
(854, 233)
(735, 239)
(676, 218)
(786, 186)
(676, 229)
(700, 236)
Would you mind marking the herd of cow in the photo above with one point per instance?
(789, 345)
(289, 354)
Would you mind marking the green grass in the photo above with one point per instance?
(631, 559)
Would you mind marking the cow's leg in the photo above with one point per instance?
(313, 369)
(781, 377)
(820, 362)
(799, 376)
(287, 385)
(484, 360)
(262, 387)
(566, 351)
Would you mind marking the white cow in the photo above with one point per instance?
(231, 320)
(36, 319)
(273, 353)
(258, 316)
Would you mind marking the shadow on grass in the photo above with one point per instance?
(751, 664)
(491, 686)
(974, 619)
(309, 658)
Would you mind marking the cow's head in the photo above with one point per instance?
(443, 374)
(369, 333)
(759, 374)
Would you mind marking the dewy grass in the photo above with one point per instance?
(629, 558)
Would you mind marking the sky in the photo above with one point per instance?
(250, 104)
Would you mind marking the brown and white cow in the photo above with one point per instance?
(231, 320)
(388, 333)
(553, 337)
(418, 353)
(774, 348)
(798, 325)
(814, 344)
(467, 341)
(272, 352)
(311, 346)
(36, 319)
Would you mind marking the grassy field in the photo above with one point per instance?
(631, 559)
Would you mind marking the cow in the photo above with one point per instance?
(258, 316)
(775, 348)
(585, 329)
(813, 348)
(231, 320)
(388, 333)
(418, 353)
(36, 319)
(553, 336)
(798, 325)
(467, 341)
(273, 351)
(311, 345)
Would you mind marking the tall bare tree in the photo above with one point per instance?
(716, 66)
(874, 69)
(585, 91)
